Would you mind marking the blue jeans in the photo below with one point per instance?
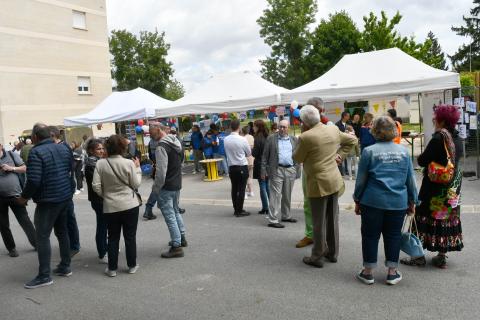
(101, 232)
(264, 193)
(168, 203)
(73, 233)
(50, 216)
(386, 222)
(152, 199)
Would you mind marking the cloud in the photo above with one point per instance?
(215, 36)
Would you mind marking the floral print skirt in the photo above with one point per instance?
(439, 235)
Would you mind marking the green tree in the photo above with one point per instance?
(331, 40)
(467, 83)
(174, 90)
(140, 61)
(381, 33)
(468, 54)
(434, 55)
(284, 26)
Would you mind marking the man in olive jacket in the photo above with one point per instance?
(319, 152)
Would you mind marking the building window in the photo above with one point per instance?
(83, 85)
(79, 20)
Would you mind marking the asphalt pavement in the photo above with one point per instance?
(236, 268)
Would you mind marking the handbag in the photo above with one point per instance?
(409, 242)
(442, 174)
(135, 191)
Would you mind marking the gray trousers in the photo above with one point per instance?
(325, 226)
(197, 156)
(281, 186)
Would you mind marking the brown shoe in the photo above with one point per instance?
(304, 242)
(173, 253)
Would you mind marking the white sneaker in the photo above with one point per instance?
(77, 192)
(133, 270)
(246, 195)
(110, 273)
(82, 189)
(103, 260)
(251, 195)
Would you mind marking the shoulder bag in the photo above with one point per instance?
(135, 191)
(442, 174)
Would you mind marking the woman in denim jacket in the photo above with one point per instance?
(385, 191)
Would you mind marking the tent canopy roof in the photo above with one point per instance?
(228, 92)
(121, 106)
(374, 74)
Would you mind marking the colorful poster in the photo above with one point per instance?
(471, 106)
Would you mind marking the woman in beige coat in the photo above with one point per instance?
(116, 180)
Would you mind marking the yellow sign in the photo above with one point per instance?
(338, 111)
(375, 107)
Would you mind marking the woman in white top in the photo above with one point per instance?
(250, 140)
(116, 180)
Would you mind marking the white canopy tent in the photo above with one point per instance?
(374, 74)
(228, 92)
(121, 106)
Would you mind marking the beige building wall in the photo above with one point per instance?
(41, 57)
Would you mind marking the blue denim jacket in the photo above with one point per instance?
(385, 177)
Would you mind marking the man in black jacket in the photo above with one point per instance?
(342, 125)
(51, 185)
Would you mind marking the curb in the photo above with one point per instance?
(294, 204)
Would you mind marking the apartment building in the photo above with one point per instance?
(54, 61)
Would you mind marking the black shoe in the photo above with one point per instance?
(243, 213)
(276, 225)
(310, 262)
(37, 283)
(184, 242)
(13, 253)
(150, 217)
(62, 272)
(173, 253)
(291, 220)
(263, 211)
(73, 253)
(182, 211)
(332, 259)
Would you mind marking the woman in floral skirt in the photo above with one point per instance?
(438, 215)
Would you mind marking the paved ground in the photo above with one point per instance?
(236, 268)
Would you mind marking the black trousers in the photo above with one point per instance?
(128, 221)
(21, 214)
(238, 177)
(79, 174)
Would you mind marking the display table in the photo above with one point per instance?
(212, 169)
(412, 136)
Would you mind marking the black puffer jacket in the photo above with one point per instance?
(90, 164)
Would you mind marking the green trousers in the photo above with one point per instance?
(307, 210)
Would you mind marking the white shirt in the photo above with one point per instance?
(237, 150)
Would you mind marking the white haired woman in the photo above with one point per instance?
(385, 191)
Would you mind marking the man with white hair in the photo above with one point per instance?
(319, 152)
(308, 239)
(281, 169)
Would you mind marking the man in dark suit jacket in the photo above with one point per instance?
(342, 125)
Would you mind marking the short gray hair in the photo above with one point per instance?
(310, 115)
(316, 102)
(384, 129)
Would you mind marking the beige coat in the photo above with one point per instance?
(317, 149)
(116, 195)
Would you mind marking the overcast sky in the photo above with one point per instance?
(213, 36)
